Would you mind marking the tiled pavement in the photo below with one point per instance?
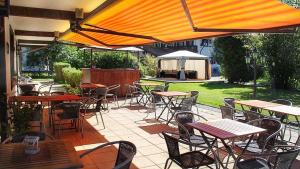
(126, 123)
(132, 123)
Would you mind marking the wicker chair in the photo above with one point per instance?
(227, 112)
(91, 105)
(71, 114)
(18, 138)
(185, 105)
(195, 95)
(126, 152)
(133, 92)
(251, 115)
(54, 104)
(264, 141)
(188, 134)
(156, 100)
(43, 86)
(192, 159)
(101, 95)
(26, 88)
(113, 92)
(230, 102)
(278, 160)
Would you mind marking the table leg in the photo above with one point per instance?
(167, 103)
(210, 147)
(147, 94)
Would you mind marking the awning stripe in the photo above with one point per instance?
(166, 19)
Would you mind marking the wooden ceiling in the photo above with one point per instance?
(35, 21)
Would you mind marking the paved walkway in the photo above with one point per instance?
(132, 123)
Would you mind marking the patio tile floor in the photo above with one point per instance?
(127, 124)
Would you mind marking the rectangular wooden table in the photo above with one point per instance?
(167, 98)
(256, 103)
(224, 129)
(56, 154)
(91, 86)
(66, 97)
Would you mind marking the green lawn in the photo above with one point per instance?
(213, 93)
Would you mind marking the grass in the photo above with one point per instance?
(213, 93)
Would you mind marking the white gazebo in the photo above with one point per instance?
(184, 60)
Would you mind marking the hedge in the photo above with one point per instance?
(72, 76)
(58, 66)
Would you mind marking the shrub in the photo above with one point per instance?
(112, 59)
(230, 54)
(72, 90)
(148, 66)
(58, 67)
(281, 53)
(72, 76)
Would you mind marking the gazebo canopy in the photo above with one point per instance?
(118, 23)
(182, 54)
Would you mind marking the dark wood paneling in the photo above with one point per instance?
(42, 13)
(115, 76)
(3, 97)
(34, 33)
(33, 41)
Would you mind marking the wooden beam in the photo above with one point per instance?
(42, 13)
(34, 33)
(33, 41)
(32, 46)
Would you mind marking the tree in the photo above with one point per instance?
(281, 52)
(230, 54)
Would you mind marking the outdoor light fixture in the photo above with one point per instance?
(79, 13)
(248, 59)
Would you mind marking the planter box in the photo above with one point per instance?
(115, 76)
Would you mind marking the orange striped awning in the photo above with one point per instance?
(137, 22)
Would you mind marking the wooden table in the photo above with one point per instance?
(167, 98)
(256, 103)
(145, 88)
(48, 99)
(224, 129)
(91, 86)
(149, 84)
(66, 97)
(53, 155)
(288, 110)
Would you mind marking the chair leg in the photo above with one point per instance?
(102, 119)
(97, 117)
(117, 101)
(166, 164)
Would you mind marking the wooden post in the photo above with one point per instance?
(3, 96)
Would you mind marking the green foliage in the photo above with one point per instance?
(113, 59)
(72, 90)
(22, 117)
(72, 76)
(58, 67)
(281, 52)
(78, 58)
(148, 66)
(230, 54)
